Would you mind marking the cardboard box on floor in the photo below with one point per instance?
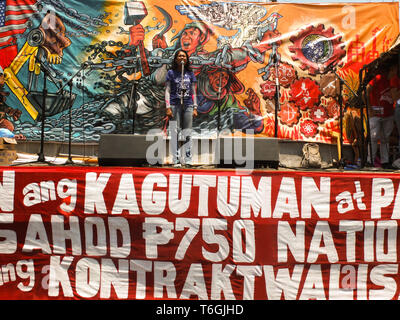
(8, 151)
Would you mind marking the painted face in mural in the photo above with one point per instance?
(191, 38)
(55, 40)
(218, 79)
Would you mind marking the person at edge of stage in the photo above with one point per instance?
(178, 90)
(381, 117)
(395, 91)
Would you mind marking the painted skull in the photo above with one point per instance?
(55, 40)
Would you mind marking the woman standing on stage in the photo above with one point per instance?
(181, 103)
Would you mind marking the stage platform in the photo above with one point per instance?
(278, 153)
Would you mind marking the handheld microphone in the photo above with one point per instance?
(183, 68)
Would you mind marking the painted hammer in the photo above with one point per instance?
(134, 13)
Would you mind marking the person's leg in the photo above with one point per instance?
(397, 121)
(386, 131)
(187, 134)
(374, 127)
(174, 125)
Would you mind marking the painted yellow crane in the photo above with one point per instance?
(50, 39)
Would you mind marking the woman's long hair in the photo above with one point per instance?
(175, 65)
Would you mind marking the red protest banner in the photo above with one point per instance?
(146, 233)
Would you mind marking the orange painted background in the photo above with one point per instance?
(240, 48)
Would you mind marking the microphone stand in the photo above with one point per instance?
(341, 160)
(183, 91)
(182, 87)
(362, 90)
(83, 66)
(180, 114)
(41, 157)
(219, 103)
(69, 160)
(70, 84)
(341, 82)
(277, 94)
(133, 94)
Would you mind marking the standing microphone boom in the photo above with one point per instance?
(219, 101)
(182, 75)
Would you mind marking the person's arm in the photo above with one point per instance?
(194, 90)
(394, 88)
(395, 92)
(368, 90)
(167, 99)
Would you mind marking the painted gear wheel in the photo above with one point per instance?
(319, 114)
(333, 109)
(268, 89)
(317, 49)
(289, 113)
(286, 74)
(270, 37)
(305, 93)
(308, 128)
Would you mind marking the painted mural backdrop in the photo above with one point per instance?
(94, 52)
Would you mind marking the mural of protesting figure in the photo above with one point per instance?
(237, 49)
(217, 88)
(215, 70)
